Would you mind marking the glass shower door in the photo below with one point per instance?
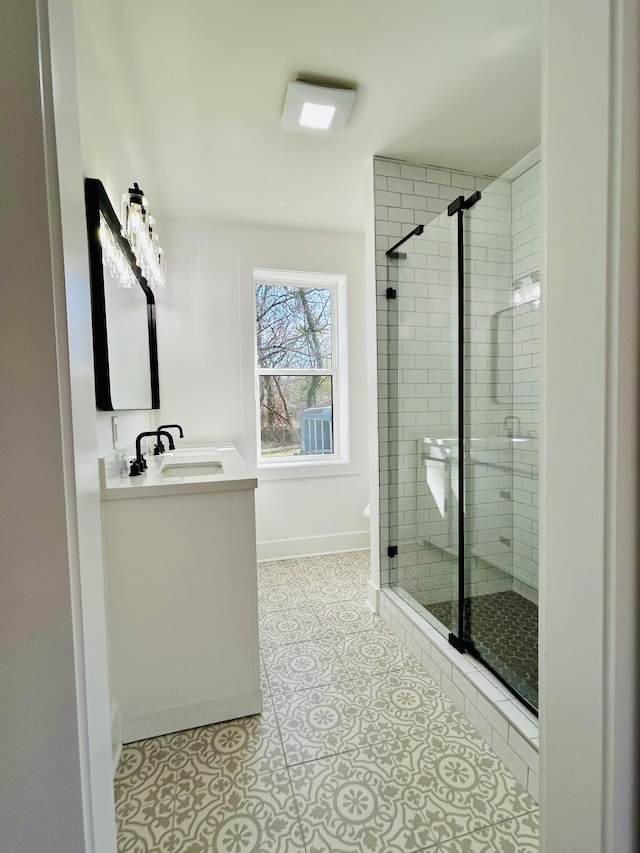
(422, 311)
(500, 459)
(463, 339)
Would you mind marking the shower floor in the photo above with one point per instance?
(504, 628)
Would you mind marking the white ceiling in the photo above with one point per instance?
(200, 84)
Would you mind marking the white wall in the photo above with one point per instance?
(54, 745)
(205, 329)
(589, 557)
(109, 154)
(206, 378)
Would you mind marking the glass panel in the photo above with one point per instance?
(293, 326)
(423, 418)
(502, 363)
(296, 415)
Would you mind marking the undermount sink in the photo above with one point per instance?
(191, 469)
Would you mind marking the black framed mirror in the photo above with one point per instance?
(123, 312)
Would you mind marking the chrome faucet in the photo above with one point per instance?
(159, 448)
(509, 422)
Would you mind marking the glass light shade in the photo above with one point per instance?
(318, 116)
(138, 228)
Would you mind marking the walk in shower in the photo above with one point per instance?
(463, 341)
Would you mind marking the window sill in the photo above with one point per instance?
(306, 470)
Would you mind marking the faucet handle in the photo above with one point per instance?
(159, 448)
(135, 470)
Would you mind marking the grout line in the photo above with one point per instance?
(480, 828)
(286, 768)
(296, 807)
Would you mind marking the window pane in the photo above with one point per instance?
(296, 415)
(293, 326)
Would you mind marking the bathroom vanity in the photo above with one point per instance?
(180, 565)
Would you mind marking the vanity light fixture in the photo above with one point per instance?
(317, 109)
(114, 258)
(138, 226)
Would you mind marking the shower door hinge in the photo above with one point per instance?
(462, 203)
(392, 551)
(391, 293)
(458, 644)
(454, 206)
(474, 198)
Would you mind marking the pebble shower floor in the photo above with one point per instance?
(356, 750)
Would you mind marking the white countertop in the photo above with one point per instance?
(158, 481)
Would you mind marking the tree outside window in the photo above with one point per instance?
(297, 366)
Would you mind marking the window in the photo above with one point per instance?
(301, 364)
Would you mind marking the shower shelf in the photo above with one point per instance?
(476, 552)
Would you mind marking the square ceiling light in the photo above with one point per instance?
(321, 110)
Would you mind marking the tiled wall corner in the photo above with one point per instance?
(526, 347)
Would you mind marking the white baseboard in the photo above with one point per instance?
(116, 734)
(373, 596)
(176, 719)
(282, 549)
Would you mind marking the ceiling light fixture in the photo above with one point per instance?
(317, 116)
(312, 108)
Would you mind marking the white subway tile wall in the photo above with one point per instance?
(526, 234)
(417, 360)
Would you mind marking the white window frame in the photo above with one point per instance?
(339, 370)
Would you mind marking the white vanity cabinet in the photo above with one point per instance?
(180, 563)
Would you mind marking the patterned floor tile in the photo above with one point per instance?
(334, 576)
(146, 771)
(290, 626)
(346, 617)
(405, 700)
(280, 597)
(512, 836)
(250, 813)
(372, 651)
(145, 828)
(249, 743)
(325, 721)
(380, 760)
(301, 665)
(328, 590)
(276, 568)
(350, 803)
(277, 579)
(464, 784)
(145, 789)
(264, 678)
